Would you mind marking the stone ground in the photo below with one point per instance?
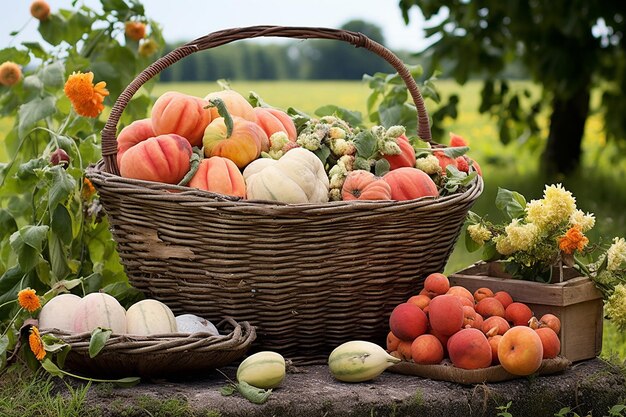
(588, 388)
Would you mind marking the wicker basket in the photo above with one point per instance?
(166, 355)
(308, 276)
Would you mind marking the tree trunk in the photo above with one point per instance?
(567, 126)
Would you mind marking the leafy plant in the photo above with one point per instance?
(53, 235)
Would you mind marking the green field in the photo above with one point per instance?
(598, 188)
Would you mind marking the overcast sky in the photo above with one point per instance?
(184, 20)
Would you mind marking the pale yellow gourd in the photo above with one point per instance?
(297, 177)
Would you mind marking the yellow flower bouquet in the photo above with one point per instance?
(545, 235)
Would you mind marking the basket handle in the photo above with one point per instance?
(222, 37)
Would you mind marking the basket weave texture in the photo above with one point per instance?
(155, 356)
(308, 276)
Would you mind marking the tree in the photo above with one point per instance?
(569, 47)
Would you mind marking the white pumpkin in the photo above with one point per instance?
(297, 177)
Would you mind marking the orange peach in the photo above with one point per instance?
(520, 351)
(164, 158)
(181, 114)
(469, 316)
(469, 349)
(392, 342)
(551, 321)
(488, 307)
(518, 313)
(495, 322)
(219, 175)
(481, 293)
(550, 342)
(407, 321)
(446, 314)
(461, 292)
(466, 302)
(436, 284)
(494, 341)
(427, 350)
(443, 339)
(404, 349)
(419, 300)
(504, 297)
(424, 292)
(478, 322)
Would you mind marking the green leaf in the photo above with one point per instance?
(256, 100)
(381, 167)
(36, 49)
(61, 224)
(353, 118)
(228, 390)
(223, 112)
(58, 255)
(4, 344)
(13, 54)
(127, 382)
(53, 75)
(470, 244)
(322, 153)
(33, 111)
(118, 6)
(33, 84)
(511, 203)
(27, 243)
(455, 152)
(62, 186)
(52, 29)
(489, 252)
(366, 144)
(99, 338)
(253, 394)
(52, 369)
(53, 344)
(8, 224)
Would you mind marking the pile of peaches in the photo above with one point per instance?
(471, 330)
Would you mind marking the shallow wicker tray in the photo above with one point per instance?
(496, 373)
(308, 276)
(158, 356)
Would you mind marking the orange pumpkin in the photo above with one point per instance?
(219, 175)
(444, 161)
(404, 159)
(274, 120)
(236, 104)
(181, 114)
(363, 185)
(243, 146)
(410, 183)
(136, 132)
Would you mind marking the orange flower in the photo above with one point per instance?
(28, 299)
(135, 30)
(573, 240)
(88, 189)
(40, 9)
(10, 73)
(36, 344)
(85, 97)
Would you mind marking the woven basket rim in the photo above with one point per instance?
(239, 337)
(97, 174)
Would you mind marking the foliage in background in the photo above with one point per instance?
(53, 236)
(568, 47)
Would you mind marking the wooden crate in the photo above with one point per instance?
(575, 301)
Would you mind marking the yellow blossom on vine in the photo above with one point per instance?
(585, 221)
(86, 97)
(573, 240)
(560, 202)
(616, 306)
(616, 254)
(479, 233)
(537, 214)
(28, 300)
(36, 344)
